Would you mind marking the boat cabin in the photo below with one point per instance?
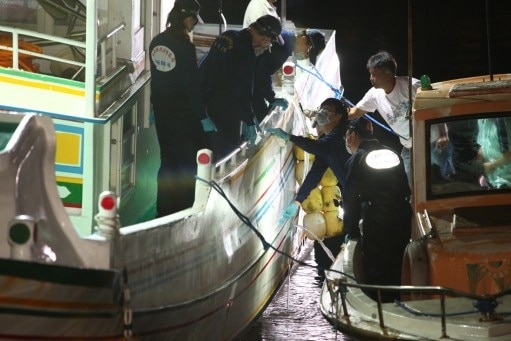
(462, 186)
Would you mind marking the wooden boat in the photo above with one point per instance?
(83, 257)
(456, 282)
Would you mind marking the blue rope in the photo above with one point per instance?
(338, 93)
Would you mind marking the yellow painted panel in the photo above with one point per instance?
(68, 148)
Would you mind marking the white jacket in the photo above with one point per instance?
(256, 9)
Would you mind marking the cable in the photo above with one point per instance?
(266, 245)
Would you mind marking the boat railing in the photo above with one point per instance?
(16, 50)
(19, 34)
(337, 286)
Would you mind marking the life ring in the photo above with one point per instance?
(415, 268)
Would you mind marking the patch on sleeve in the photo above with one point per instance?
(224, 43)
(163, 58)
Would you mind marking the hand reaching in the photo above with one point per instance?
(281, 134)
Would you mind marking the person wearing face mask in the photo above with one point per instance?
(328, 149)
(178, 108)
(376, 193)
(227, 73)
(309, 44)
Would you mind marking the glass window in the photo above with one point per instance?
(470, 155)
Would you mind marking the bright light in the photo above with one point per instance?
(382, 159)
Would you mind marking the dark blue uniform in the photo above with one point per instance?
(178, 109)
(330, 152)
(267, 64)
(227, 74)
(380, 196)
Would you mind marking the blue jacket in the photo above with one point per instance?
(174, 74)
(227, 75)
(267, 64)
(330, 152)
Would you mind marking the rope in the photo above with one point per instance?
(24, 60)
(339, 94)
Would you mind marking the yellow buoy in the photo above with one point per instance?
(334, 224)
(315, 226)
(330, 194)
(300, 154)
(329, 178)
(314, 202)
(299, 172)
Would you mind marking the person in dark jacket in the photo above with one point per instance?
(227, 74)
(328, 149)
(329, 152)
(376, 191)
(267, 64)
(178, 109)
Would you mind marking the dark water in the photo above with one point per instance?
(294, 313)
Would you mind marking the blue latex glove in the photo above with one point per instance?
(279, 102)
(354, 235)
(151, 117)
(290, 212)
(257, 124)
(251, 134)
(208, 125)
(281, 134)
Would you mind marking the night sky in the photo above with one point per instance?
(449, 36)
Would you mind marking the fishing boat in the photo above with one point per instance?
(456, 282)
(83, 255)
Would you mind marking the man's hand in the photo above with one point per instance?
(290, 212)
(281, 134)
(279, 102)
(208, 125)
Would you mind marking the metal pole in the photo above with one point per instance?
(488, 38)
(283, 9)
(220, 16)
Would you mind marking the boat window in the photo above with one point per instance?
(469, 155)
(122, 176)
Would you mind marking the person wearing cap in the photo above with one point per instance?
(390, 97)
(309, 44)
(258, 8)
(227, 73)
(179, 112)
(264, 97)
(328, 150)
(377, 193)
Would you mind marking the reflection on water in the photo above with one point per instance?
(294, 313)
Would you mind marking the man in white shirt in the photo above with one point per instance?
(390, 96)
(258, 8)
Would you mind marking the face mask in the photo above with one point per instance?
(348, 149)
(322, 117)
(300, 55)
(260, 50)
(346, 143)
